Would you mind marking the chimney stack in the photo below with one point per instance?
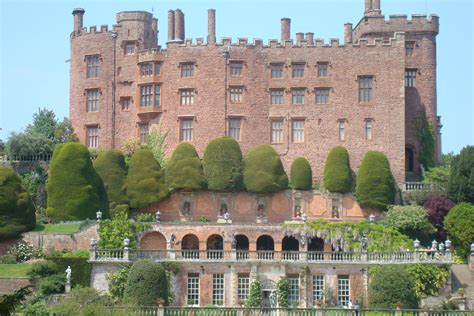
(154, 26)
(170, 25)
(299, 38)
(178, 25)
(376, 7)
(211, 26)
(78, 14)
(310, 38)
(348, 33)
(372, 8)
(285, 29)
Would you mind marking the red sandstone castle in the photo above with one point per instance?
(301, 95)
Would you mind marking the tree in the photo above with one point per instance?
(145, 181)
(301, 174)
(283, 288)
(17, 213)
(337, 171)
(263, 170)
(461, 181)
(156, 144)
(392, 285)
(438, 207)
(255, 294)
(375, 186)
(222, 162)
(110, 165)
(146, 284)
(10, 302)
(64, 132)
(75, 190)
(184, 169)
(25, 146)
(44, 124)
(459, 223)
(113, 231)
(425, 135)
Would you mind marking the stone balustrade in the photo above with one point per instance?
(418, 186)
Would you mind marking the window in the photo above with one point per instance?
(129, 49)
(322, 70)
(150, 95)
(293, 291)
(365, 89)
(218, 289)
(318, 288)
(144, 130)
(343, 290)
(243, 287)
(409, 48)
(187, 129)
(236, 69)
(298, 131)
(297, 70)
(236, 94)
(277, 96)
(277, 71)
(410, 78)
(92, 66)
(297, 96)
(277, 131)
(193, 290)
(146, 69)
(157, 69)
(322, 95)
(368, 129)
(234, 128)
(125, 102)
(187, 70)
(342, 130)
(93, 136)
(92, 100)
(187, 96)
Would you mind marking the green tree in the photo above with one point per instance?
(459, 223)
(337, 171)
(425, 135)
(255, 294)
(429, 278)
(301, 174)
(156, 144)
(17, 213)
(184, 169)
(113, 231)
(75, 190)
(263, 170)
(375, 186)
(440, 175)
(461, 181)
(146, 284)
(222, 162)
(145, 180)
(25, 146)
(283, 288)
(44, 123)
(64, 132)
(117, 281)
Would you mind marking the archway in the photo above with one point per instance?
(215, 247)
(315, 249)
(409, 160)
(153, 241)
(265, 247)
(242, 247)
(190, 247)
(290, 246)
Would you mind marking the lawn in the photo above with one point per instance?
(14, 270)
(57, 228)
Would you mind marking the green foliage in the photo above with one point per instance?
(429, 278)
(35, 308)
(146, 218)
(425, 135)
(145, 183)
(459, 223)
(301, 174)
(184, 169)
(23, 251)
(145, 284)
(44, 123)
(263, 170)
(24, 146)
(392, 285)
(337, 171)
(64, 132)
(282, 291)
(81, 269)
(119, 209)
(461, 181)
(51, 285)
(86, 300)
(7, 259)
(117, 281)
(203, 219)
(375, 186)
(42, 269)
(35, 183)
(222, 162)
(255, 294)
(10, 302)
(17, 213)
(110, 165)
(415, 197)
(156, 144)
(75, 190)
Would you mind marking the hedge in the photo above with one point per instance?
(263, 170)
(184, 169)
(337, 171)
(301, 174)
(80, 269)
(110, 165)
(459, 223)
(147, 283)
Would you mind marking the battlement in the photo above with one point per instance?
(134, 16)
(92, 30)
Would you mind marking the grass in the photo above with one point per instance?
(57, 228)
(14, 270)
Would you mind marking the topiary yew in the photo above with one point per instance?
(17, 213)
(301, 174)
(146, 284)
(337, 171)
(75, 190)
(144, 184)
(375, 186)
(263, 170)
(222, 162)
(184, 169)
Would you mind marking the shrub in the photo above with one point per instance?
(184, 169)
(337, 171)
(146, 284)
(110, 165)
(146, 218)
(144, 184)
(10, 302)
(282, 290)
(438, 207)
(81, 269)
(7, 259)
(429, 278)
(42, 269)
(51, 285)
(75, 190)
(35, 308)
(263, 170)
(461, 181)
(375, 186)
(415, 197)
(459, 223)
(301, 174)
(17, 213)
(119, 209)
(222, 163)
(117, 281)
(392, 285)
(86, 300)
(23, 251)
(255, 295)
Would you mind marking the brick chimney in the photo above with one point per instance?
(179, 34)
(211, 26)
(170, 25)
(285, 29)
(299, 38)
(310, 38)
(372, 8)
(78, 14)
(347, 33)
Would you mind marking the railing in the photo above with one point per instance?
(22, 158)
(418, 186)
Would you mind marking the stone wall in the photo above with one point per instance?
(10, 285)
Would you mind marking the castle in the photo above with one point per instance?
(301, 95)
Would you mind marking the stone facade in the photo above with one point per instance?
(223, 95)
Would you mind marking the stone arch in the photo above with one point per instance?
(241, 242)
(315, 244)
(290, 243)
(190, 242)
(265, 242)
(153, 240)
(215, 242)
(409, 159)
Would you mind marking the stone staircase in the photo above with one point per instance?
(461, 276)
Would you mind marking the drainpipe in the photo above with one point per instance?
(114, 83)
(225, 54)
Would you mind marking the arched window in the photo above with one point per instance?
(265, 247)
(215, 247)
(242, 247)
(290, 246)
(190, 247)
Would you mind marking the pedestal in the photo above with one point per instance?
(68, 287)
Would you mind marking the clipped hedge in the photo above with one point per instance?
(110, 165)
(337, 171)
(375, 186)
(222, 162)
(146, 284)
(184, 169)
(263, 170)
(459, 223)
(80, 269)
(301, 174)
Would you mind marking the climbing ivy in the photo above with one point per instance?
(255, 295)
(283, 287)
(425, 135)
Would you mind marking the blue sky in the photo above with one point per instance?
(34, 45)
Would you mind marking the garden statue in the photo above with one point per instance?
(68, 275)
(223, 209)
(186, 208)
(335, 212)
(297, 211)
(233, 241)
(261, 210)
(172, 241)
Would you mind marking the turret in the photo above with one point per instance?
(78, 14)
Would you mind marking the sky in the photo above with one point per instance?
(34, 46)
